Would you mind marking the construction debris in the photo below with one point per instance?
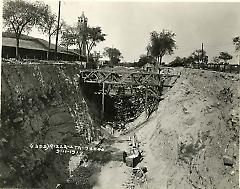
(228, 161)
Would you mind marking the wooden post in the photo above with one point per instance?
(146, 101)
(102, 113)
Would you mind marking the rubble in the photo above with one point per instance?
(228, 161)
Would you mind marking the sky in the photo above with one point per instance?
(128, 24)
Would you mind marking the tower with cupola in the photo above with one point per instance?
(82, 25)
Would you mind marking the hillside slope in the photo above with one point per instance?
(192, 139)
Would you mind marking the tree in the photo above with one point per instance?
(113, 54)
(225, 56)
(94, 36)
(48, 25)
(177, 62)
(185, 61)
(20, 16)
(161, 44)
(188, 60)
(216, 60)
(144, 59)
(199, 56)
(68, 37)
(236, 42)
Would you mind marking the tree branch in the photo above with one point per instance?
(13, 27)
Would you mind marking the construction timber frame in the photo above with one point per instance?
(126, 83)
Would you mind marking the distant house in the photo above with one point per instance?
(33, 48)
(148, 67)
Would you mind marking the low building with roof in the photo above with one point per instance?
(34, 48)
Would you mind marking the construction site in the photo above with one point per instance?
(63, 127)
(77, 115)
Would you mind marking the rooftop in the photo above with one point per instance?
(28, 42)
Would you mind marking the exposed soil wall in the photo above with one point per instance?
(192, 141)
(40, 104)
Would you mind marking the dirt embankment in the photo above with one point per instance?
(192, 140)
(41, 104)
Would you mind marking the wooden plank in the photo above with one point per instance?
(124, 83)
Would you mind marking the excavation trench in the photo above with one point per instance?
(191, 141)
(119, 111)
(116, 107)
(46, 105)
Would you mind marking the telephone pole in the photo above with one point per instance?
(202, 52)
(111, 55)
(56, 45)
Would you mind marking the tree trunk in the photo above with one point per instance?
(67, 54)
(79, 45)
(88, 54)
(17, 47)
(49, 46)
(160, 60)
(239, 57)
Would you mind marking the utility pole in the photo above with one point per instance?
(59, 6)
(239, 57)
(202, 52)
(146, 100)
(103, 101)
(112, 55)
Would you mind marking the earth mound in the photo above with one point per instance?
(191, 141)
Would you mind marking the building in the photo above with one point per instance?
(148, 67)
(82, 26)
(34, 48)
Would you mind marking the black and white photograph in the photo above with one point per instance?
(117, 94)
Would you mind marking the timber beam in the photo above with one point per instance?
(124, 78)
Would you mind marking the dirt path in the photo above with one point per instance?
(115, 173)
